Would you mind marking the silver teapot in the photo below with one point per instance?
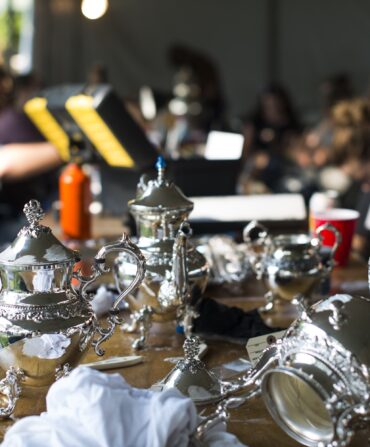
(46, 322)
(176, 273)
(290, 264)
(315, 381)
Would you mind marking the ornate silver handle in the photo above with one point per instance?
(238, 392)
(125, 245)
(130, 248)
(256, 237)
(220, 415)
(337, 236)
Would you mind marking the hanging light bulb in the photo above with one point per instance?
(94, 9)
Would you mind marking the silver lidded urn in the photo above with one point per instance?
(315, 381)
(291, 265)
(46, 322)
(176, 273)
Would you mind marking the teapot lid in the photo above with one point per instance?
(160, 194)
(35, 245)
(192, 378)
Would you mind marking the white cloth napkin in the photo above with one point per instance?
(92, 409)
(103, 301)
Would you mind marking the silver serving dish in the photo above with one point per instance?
(46, 321)
(315, 382)
(291, 264)
(226, 259)
(176, 273)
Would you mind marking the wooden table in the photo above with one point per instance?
(251, 422)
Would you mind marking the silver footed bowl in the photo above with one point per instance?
(46, 319)
(315, 382)
(291, 265)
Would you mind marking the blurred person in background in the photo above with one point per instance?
(201, 74)
(195, 105)
(269, 131)
(348, 171)
(313, 149)
(25, 157)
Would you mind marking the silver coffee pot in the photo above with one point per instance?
(176, 273)
(47, 322)
(290, 264)
(315, 381)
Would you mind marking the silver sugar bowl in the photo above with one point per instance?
(176, 273)
(290, 264)
(46, 322)
(315, 381)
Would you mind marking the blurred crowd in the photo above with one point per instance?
(283, 155)
(282, 152)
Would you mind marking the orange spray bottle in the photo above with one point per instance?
(75, 199)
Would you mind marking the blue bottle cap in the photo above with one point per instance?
(161, 163)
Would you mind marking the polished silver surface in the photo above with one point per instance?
(290, 265)
(46, 320)
(191, 377)
(36, 247)
(227, 261)
(315, 382)
(176, 273)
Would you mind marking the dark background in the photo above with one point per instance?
(298, 42)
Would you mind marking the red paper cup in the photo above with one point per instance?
(344, 220)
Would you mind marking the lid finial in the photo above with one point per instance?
(191, 361)
(161, 167)
(33, 211)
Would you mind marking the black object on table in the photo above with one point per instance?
(230, 322)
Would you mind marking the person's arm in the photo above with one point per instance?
(19, 161)
(248, 132)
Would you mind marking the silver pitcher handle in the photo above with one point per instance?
(256, 238)
(236, 393)
(220, 415)
(124, 245)
(337, 236)
(254, 233)
(99, 267)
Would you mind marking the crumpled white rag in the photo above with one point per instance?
(92, 409)
(103, 301)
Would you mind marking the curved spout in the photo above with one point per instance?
(174, 289)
